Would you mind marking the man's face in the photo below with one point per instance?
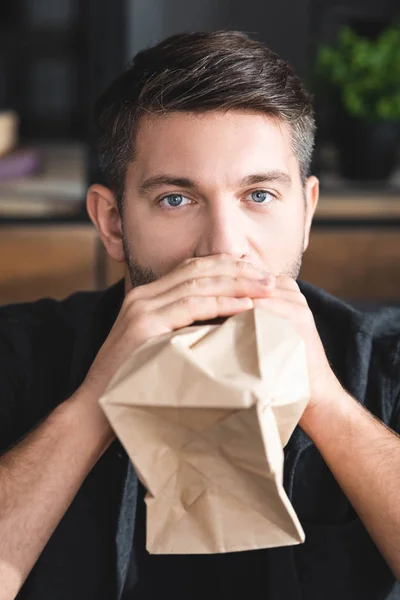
(209, 184)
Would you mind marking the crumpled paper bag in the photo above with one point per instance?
(204, 414)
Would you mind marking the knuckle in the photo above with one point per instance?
(203, 283)
(220, 305)
(240, 283)
(193, 284)
(138, 307)
(241, 265)
(187, 303)
(220, 302)
(187, 261)
(198, 265)
(129, 298)
(137, 323)
(134, 295)
(138, 316)
(204, 264)
(140, 321)
(191, 305)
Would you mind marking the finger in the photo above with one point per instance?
(298, 315)
(278, 305)
(239, 287)
(185, 311)
(208, 266)
(286, 282)
(290, 295)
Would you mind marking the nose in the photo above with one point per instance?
(223, 232)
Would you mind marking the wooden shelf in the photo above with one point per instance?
(348, 206)
(49, 261)
(373, 201)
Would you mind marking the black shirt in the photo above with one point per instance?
(97, 551)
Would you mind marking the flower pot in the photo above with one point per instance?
(367, 150)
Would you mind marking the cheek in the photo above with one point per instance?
(158, 244)
(280, 237)
(292, 220)
(290, 230)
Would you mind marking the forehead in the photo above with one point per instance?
(213, 142)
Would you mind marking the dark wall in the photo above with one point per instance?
(282, 25)
(288, 26)
(368, 16)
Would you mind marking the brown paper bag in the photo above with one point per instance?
(204, 414)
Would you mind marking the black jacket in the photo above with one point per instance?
(46, 349)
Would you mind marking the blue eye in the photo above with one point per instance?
(260, 196)
(173, 200)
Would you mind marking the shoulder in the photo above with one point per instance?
(48, 310)
(42, 345)
(363, 347)
(30, 329)
(59, 319)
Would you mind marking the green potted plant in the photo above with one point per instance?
(363, 76)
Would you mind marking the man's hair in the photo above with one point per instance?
(199, 72)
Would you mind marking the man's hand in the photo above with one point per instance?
(198, 290)
(286, 300)
(363, 454)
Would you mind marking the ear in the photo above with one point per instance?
(103, 210)
(312, 195)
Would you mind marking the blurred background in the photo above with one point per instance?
(56, 56)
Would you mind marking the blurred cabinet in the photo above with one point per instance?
(354, 250)
(360, 263)
(37, 261)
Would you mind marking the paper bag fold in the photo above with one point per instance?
(204, 414)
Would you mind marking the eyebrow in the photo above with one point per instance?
(157, 181)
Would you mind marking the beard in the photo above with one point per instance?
(292, 269)
(137, 274)
(144, 275)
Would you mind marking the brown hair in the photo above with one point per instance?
(197, 72)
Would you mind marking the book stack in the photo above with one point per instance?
(45, 181)
(22, 162)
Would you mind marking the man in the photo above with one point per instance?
(206, 141)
